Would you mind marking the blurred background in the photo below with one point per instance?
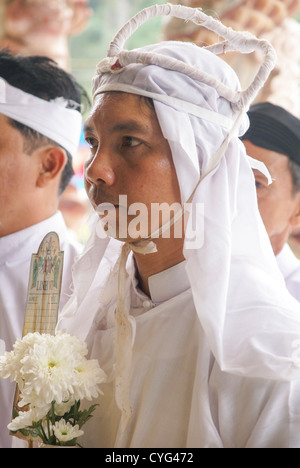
(77, 33)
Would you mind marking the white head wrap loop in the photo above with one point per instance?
(243, 42)
(50, 118)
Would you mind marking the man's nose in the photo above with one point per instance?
(100, 169)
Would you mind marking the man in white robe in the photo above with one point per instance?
(35, 168)
(274, 139)
(198, 336)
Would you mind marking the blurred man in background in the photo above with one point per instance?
(40, 125)
(274, 139)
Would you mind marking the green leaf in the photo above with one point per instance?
(85, 415)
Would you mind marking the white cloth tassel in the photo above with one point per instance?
(123, 343)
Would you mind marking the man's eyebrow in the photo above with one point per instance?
(88, 128)
(123, 126)
(130, 126)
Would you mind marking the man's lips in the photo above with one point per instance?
(99, 196)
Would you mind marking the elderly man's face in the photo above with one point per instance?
(129, 157)
(278, 205)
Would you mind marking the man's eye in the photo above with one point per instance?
(130, 141)
(92, 142)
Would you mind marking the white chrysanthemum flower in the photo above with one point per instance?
(26, 419)
(48, 373)
(11, 363)
(77, 348)
(88, 377)
(53, 375)
(7, 367)
(64, 432)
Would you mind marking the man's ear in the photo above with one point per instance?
(52, 162)
(295, 219)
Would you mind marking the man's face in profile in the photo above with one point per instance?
(130, 161)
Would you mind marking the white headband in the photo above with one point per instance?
(178, 104)
(50, 118)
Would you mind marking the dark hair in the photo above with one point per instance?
(149, 102)
(41, 77)
(295, 173)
